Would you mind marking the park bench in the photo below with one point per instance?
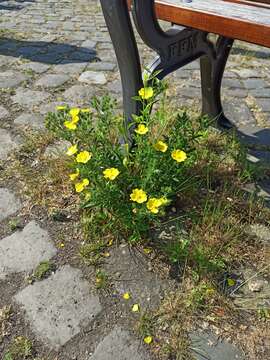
(187, 40)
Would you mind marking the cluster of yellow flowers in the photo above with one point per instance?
(153, 204)
(71, 123)
(139, 196)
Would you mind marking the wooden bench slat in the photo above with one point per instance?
(243, 22)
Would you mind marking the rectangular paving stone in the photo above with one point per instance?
(24, 250)
(7, 144)
(58, 306)
(9, 204)
(119, 345)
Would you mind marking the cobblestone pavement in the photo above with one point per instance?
(58, 51)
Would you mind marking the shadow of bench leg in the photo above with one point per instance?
(212, 71)
(118, 21)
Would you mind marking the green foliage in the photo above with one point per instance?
(20, 348)
(42, 270)
(144, 166)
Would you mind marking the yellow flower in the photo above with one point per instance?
(72, 150)
(161, 146)
(74, 112)
(61, 107)
(135, 308)
(70, 125)
(83, 157)
(86, 111)
(153, 204)
(79, 187)
(138, 195)
(111, 173)
(75, 119)
(142, 129)
(126, 296)
(179, 155)
(146, 93)
(147, 251)
(75, 175)
(148, 340)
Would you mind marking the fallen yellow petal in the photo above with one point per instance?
(126, 296)
(147, 251)
(135, 308)
(148, 340)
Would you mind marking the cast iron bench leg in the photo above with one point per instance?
(118, 21)
(212, 71)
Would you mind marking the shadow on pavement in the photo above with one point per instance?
(14, 5)
(46, 52)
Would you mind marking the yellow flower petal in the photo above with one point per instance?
(148, 340)
(83, 157)
(86, 110)
(146, 93)
(142, 129)
(111, 173)
(135, 308)
(231, 282)
(147, 251)
(70, 125)
(61, 107)
(106, 254)
(80, 186)
(179, 155)
(110, 243)
(75, 119)
(75, 175)
(72, 150)
(138, 195)
(126, 296)
(161, 146)
(74, 112)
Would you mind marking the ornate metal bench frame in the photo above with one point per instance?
(175, 48)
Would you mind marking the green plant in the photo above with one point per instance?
(20, 348)
(102, 279)
(129, 185)
(43, 270)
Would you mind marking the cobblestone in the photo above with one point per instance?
(59, 306)
(24, 250)
(120, 345)
(9, 204)
(7, 144)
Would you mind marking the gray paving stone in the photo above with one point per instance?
(79, 94)
(59, 306)
(131, 269)
(232, 83)
(24, 250)
(52, 80)
(11, 79)
(35, 67)
(3, 113)
(57, 149)
(29, 98)
(88, 45)
(247, 73)
(93, 78)
(9, 204)
(261, 232)
(208, 346)
(264, 104)
(101, 66)
(71, 68)
(7, 144)
(119, 345)
(35, 121)
(260, 93)
(255, 84)
(238, 112)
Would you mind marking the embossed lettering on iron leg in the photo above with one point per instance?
(182, 47)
